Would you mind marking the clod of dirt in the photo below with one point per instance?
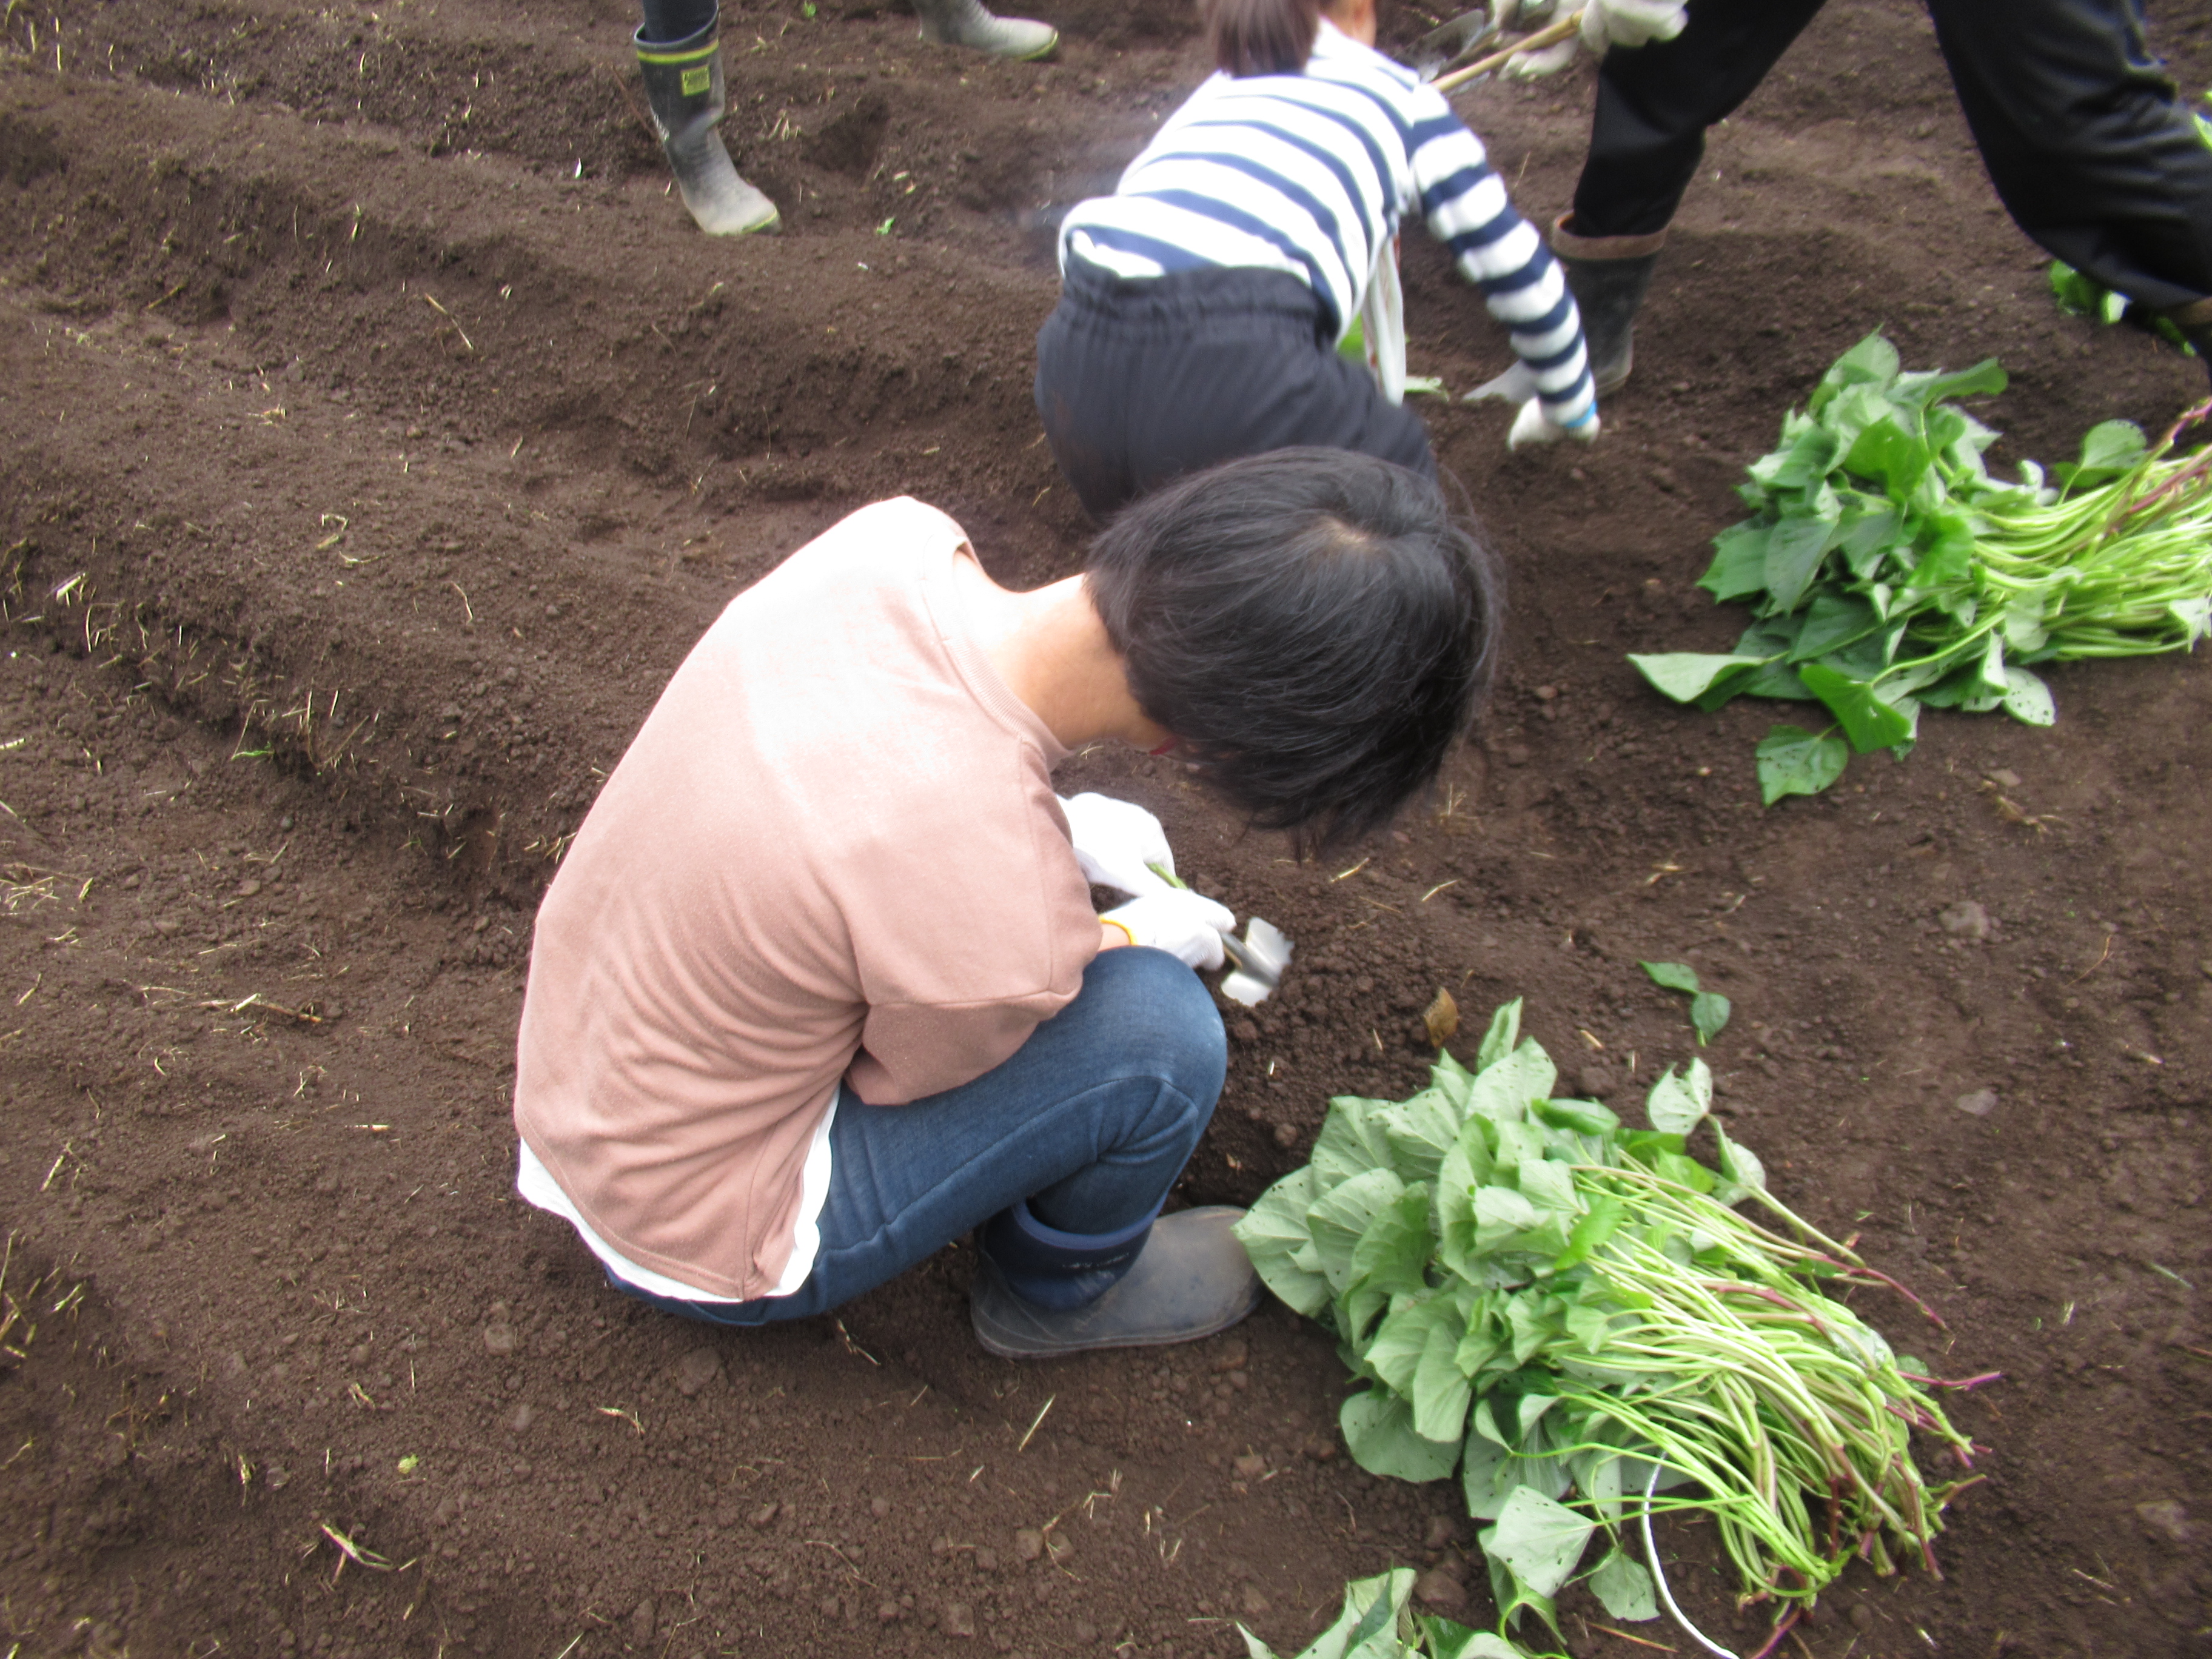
(1597, 1081)
(1967, 920)
(958, 1619)
(1028, 1543)
(986, 1561)
(641, 1620)
(696, 1370)
(1441, 1019)
(2165, 1516)
(499, 1340)
(763, 1518)
(1980, 1104)
(887, 1612)
(880, 1507)
(1232, 1356)
(1321, 1450)
(1250, 1466)
(1254, 1600)
(1442, 1530)
(1286, 1136)
(1439, 1589)
(520, 1419)
(1244, 1030)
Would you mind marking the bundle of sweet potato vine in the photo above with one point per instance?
(1890, 571)
(1576, 1316)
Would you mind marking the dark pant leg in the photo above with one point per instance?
(1139, 382)
(1655, 102)
(2085, 140)
(1090, 1121)
(669, 21)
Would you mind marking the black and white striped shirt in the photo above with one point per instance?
(1308, 174)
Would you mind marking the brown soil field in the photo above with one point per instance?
(377, 435)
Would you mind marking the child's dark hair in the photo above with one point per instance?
(1261, 37)
(1312, 624)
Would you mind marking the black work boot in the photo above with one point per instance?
(968, 23)
(1607, 275)
(683, 87)
(2194, 322)
(1039, 1292)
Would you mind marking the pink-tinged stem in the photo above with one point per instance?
(1917, 1419)
(1948, 1382)
(2182, 422)
(1780, 1630)
(1875, 1276)
(1727, 1287)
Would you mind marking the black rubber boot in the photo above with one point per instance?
(1039, 1292)
(968, 23)
(684, 87)
(1609, 276)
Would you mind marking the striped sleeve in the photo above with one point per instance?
(1465, 207)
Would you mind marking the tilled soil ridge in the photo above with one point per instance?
(378, 438)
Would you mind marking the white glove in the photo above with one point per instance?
(1545, 60)
(1188, 925)
(1116, 842)
(1533, 426)
(1606, 24)
(1515, 386)
(1631, 23)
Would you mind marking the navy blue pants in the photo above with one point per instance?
(2089, 148)
(1138, 382)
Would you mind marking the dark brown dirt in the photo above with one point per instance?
(377, 437)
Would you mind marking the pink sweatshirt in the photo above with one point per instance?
(832, 850)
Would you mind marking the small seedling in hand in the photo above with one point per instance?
(1709, 1010)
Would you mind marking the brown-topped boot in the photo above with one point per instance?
(1609, 276)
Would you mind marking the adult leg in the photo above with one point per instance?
(2089, 148)
(680, 55)
(1654, 104)
(1139, 382)
(1088, 1125)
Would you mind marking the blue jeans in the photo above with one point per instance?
(1091, 1120)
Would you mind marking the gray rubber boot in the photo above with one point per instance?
(966, 23)
(1191, 1279)
(1609, 276)
(684, 89)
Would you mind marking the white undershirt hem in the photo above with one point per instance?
(535, 1183)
